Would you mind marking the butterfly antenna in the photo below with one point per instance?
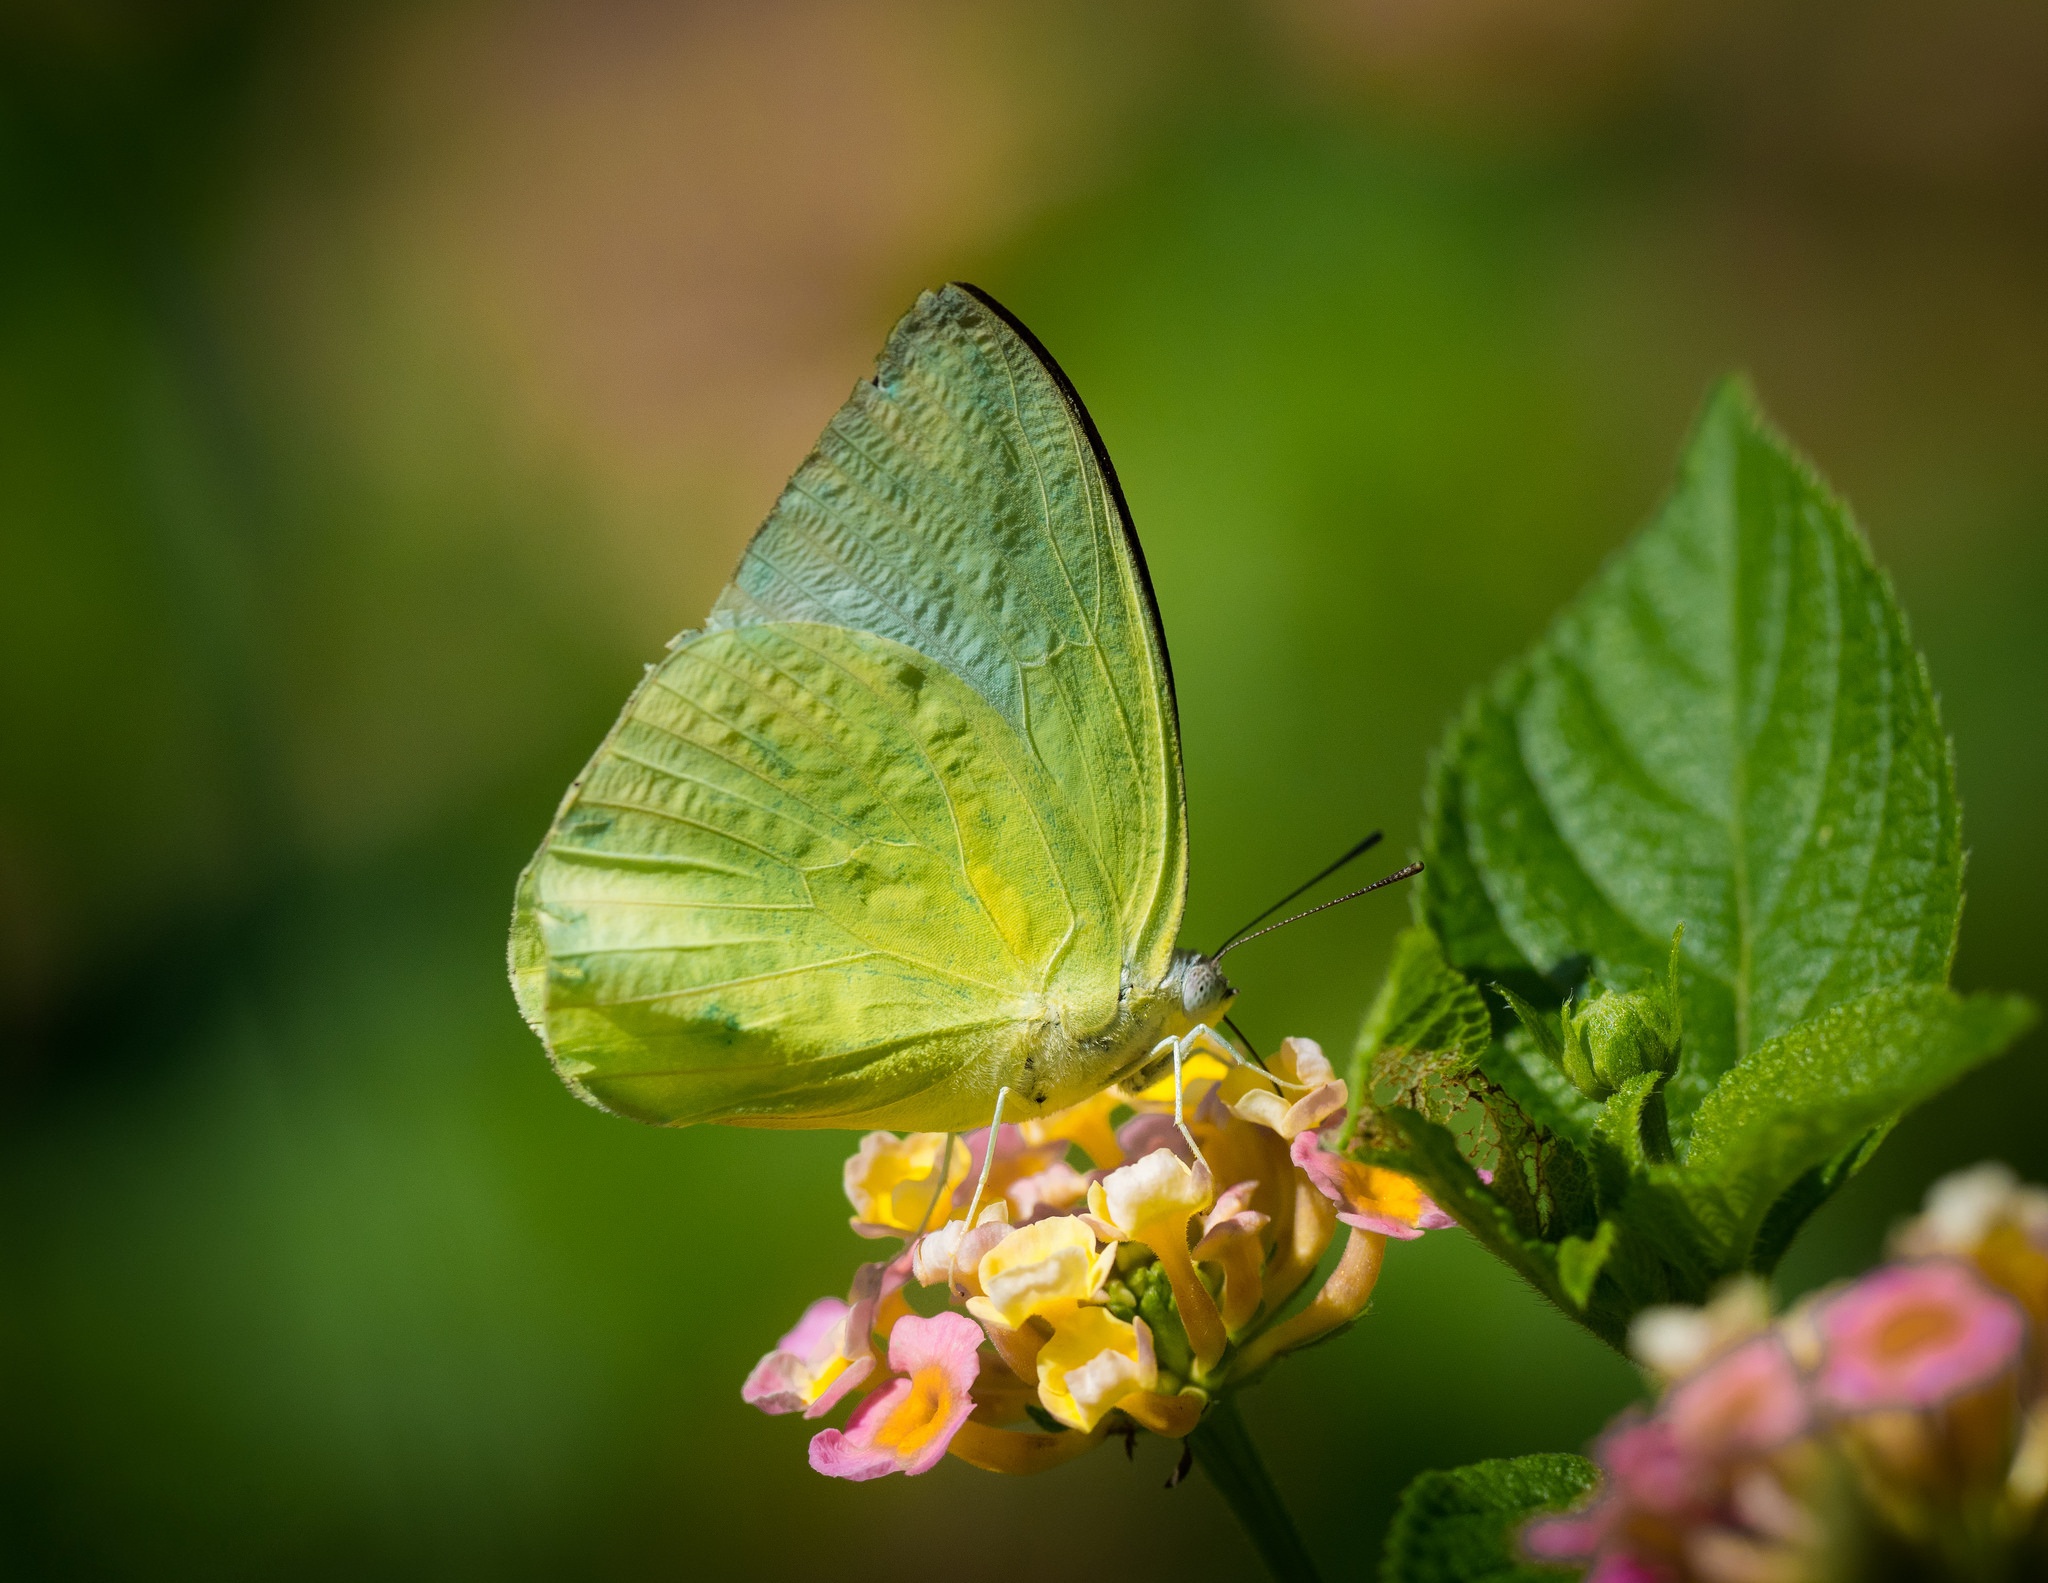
(1362, 848)
(1379, 884)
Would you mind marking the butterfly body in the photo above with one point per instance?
(903, 823)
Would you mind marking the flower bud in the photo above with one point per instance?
(1616, 1036)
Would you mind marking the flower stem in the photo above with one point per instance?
(1224, 1451)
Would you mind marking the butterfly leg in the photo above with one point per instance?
(943, 1170)
(1207, 1041)
(988, 1159)
(1182, 1048)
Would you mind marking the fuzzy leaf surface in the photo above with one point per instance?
(1459, 1526)
(1730, 729)
(1807, 1101)
(1424, 1003)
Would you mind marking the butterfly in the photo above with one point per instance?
(902, 828)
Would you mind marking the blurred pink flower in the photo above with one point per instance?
(1748, 1400)
(1629, 1569)
(1650, 1468)
(1574, 1536)
(1913, 1335)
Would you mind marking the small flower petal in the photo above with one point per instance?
(1673, 1339)
(1292, 1117)
(953, 1253)
(1368, 1196)
(1747, 1401)
(1093, 1361)
(1298, 1090)
(1053, 1190)
(1042, 1268)
(1159, 1188)
(1575, 1536)
(1231, 1240)
(1016, 1157)
(825, 1355)
(1149, 1131)
(1650, 1469)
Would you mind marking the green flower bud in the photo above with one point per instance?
(1612, 1036)
(1616, 1036)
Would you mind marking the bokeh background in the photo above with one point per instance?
(381, 384)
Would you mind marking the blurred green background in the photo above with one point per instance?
(380, 385)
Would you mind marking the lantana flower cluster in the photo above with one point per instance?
(1114, 1278)
(1895, 1426)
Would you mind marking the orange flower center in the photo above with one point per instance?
(914, 1420)
(1914, 1328)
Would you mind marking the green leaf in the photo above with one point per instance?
(1728, 735)
(1581, 1259)
(1538, 1084)
(1629, 1136)
(1424, 1004)
(1806, 1102)
(1460, 1526)
(1731, 730)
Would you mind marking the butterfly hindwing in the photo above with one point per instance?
(913, 793)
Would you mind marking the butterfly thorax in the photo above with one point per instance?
(1193, 991)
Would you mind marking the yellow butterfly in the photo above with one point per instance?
(902, 827)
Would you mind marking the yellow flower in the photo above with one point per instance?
(1151, 1201)
(1086, 1124)
(1313, 1092)
(893, 1183)
(1044, 1268)
(1093, 1361)
(1151, 1192)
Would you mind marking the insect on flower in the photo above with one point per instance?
(1137, 1313)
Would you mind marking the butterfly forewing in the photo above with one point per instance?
(959, 504)
(913, 796)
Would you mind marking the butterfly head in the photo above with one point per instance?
(1205, 994)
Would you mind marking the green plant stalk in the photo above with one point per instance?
(1224, 1451)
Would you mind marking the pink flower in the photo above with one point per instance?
(906, 1426)
(831, 1349)
(1574, 1536)
(1629, 1569)
(1368, 1196)
(1147, 1133)
(1748, 1400)
(1230, 1241)
(1649, 1467)
(814, 1365)
(1052, 1191)
(1913, 1335)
